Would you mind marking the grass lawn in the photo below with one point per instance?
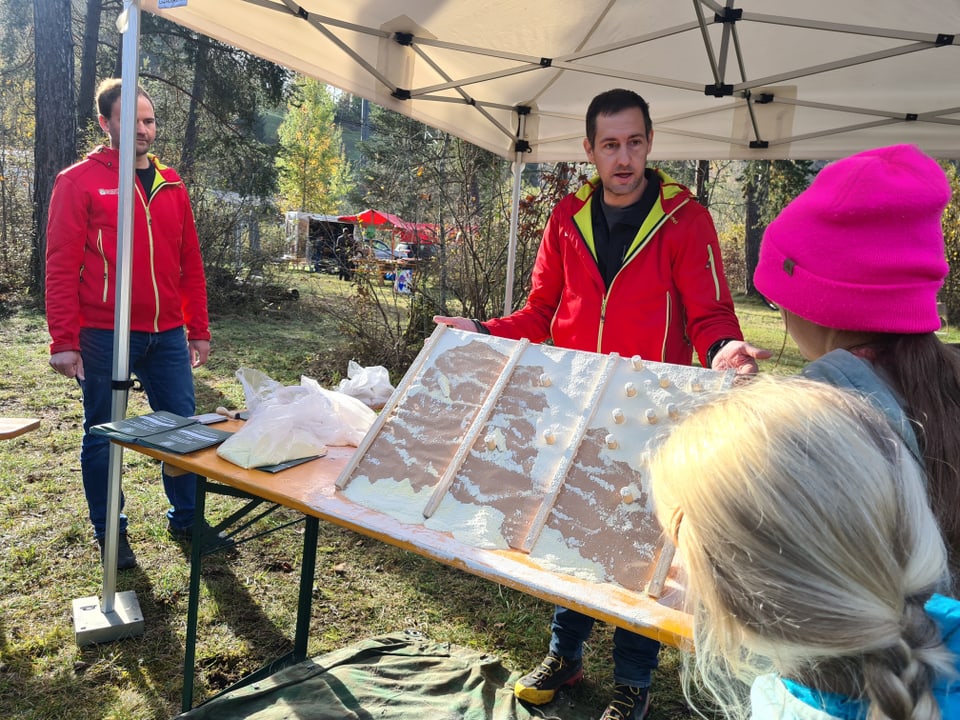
(362, 587)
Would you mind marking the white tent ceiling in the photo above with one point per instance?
(743, 79)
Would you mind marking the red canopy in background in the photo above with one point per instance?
(374, 217)
(422, 233)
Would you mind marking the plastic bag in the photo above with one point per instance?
(370, 385)
(290, 422)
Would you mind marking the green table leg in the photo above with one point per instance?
(302, 636)
(193, 604)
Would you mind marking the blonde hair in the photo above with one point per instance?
(809, 547)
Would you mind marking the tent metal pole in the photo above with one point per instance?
(118, 614)
(121, 322)
(512, 246)
(514, 217)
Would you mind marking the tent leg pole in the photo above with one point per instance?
(514, 224)
(119, 615)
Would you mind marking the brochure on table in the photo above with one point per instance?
(164, 431)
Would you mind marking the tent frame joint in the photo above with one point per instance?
(718, 90)
(403, 38)
(759, 144)
(401, 94)
(729, 15)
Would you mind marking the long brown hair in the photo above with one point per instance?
(926, 373)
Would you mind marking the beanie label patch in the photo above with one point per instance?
(788, 266)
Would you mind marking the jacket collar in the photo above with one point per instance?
(111, 156)
(672, 197)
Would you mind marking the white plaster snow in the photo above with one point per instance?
(566, 381)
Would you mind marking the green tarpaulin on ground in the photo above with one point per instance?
(391, 677)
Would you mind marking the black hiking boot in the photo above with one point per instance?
(125, 557)
(629, 703)
(209, 540)
(555, 672)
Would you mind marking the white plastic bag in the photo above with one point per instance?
(370, 385)
(289, 422)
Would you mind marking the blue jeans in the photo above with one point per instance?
(634, 656)
(161, 361)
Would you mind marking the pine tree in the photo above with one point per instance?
(310, 158)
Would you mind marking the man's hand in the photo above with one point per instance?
(199, 352)
(68, 363)
(740, 356)
(460, 323)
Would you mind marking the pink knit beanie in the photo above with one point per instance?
(862, 247)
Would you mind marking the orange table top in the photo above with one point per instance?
(14, 427)
(310, 488)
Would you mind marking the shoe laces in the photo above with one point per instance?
(623, 703)
(551, 664)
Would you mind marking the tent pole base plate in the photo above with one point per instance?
(91, 625)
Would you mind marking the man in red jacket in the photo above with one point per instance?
(629, 263)
(168, 292)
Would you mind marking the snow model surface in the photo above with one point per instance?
(508, 444)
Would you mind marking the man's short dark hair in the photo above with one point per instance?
(108, 92)
(612, 102)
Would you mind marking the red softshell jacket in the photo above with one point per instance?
(669, 297)
(168, 287)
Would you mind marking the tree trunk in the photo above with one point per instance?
(86, 113)
(754, 191)
(703, 178)
(55, 145)
(188, 156)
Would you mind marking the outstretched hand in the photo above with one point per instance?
(740, 356)
(460, 323)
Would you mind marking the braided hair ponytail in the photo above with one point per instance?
(898, 680)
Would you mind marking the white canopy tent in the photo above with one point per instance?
(741, 79)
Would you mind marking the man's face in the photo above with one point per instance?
(619, 152)
(146, 131)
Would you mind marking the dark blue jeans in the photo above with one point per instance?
(634, 656)
(161, 361)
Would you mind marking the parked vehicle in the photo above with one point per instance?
(382, 251)
(418, 251)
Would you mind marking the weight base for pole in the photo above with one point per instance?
(92, 626)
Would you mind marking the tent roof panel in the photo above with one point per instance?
(468, 65)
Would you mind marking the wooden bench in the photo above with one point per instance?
(14, 427)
